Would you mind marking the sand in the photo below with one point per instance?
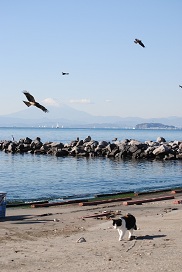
(46, 239)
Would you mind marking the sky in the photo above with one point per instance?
(109, 75)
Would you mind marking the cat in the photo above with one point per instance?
(127, 222)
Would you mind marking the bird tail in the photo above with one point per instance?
(27, 103)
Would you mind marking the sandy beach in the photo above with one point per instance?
(46, 239)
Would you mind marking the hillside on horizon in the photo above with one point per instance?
(69, 117)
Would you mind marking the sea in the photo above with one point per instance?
(27, 177)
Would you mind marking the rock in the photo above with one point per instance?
(57, 145)
(110, 147)
(12, 147)
(135, 142)
(161, 140)
(87, 139)
(56, 220)
(27, 140)
(159, 150)
(102, 144)
(36, 144)
(61, 153)
(81, 240)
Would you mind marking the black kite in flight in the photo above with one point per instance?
(139, 42)
(31, 102)
(63, 74)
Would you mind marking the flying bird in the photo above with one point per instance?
(139, 42)
(65, 74)
(180, 86)
(31, 102)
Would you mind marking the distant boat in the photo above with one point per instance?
(57, 126)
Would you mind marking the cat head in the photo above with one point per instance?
(116, 223)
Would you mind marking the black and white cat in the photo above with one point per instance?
(127, 222)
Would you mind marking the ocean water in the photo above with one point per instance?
(30, 177)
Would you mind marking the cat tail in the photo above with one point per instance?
(135, 227)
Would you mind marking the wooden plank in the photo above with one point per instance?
(90, 203)
(176, 191)
(97, 215)
(10, 205)
(177, 201)
(57, 203)
(115, 194)
(138, 202)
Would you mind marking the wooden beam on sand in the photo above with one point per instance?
(176, 191)
(114, 194)
(90, 203)
(56, 203)
(97, 215)
(138, 202)
(152, 192)
(177, 201)
(10, 205)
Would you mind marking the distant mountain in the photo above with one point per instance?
(69, 117)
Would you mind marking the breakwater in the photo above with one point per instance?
(127, 148)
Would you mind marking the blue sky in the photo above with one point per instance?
(92, 40)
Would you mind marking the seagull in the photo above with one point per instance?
(31, 102)
(65, 74)
(139, 42)
(180, 86)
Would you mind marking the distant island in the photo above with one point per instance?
(153, 126)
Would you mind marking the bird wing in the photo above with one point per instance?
(41, 107)
(180, 86)
(29, 96)
(141, 43)
(27, 103)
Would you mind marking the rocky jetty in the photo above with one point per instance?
(125, 149)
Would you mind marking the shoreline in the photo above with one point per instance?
(67, 200)
(46, 238)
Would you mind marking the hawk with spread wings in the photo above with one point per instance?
(31, 102)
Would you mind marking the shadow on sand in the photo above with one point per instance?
(150, 237)
(23, 219)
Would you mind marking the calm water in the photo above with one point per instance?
(36, 177)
